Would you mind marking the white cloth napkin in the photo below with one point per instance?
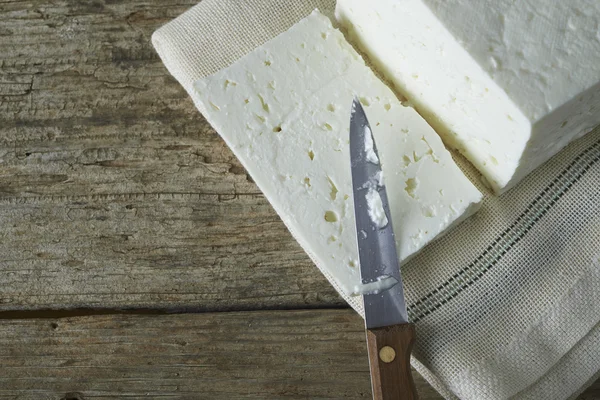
(508, 304)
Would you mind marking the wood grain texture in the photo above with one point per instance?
(311, 354)
(200, 252)
(389, 351)
(317, 354)
(114, 191)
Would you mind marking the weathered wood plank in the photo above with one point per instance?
(316, 354)
(85, 100)
(204, 252)
(114, 191)
(263, 355)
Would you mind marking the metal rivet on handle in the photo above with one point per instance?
(387, 354)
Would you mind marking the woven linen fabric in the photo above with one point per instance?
(505, 305)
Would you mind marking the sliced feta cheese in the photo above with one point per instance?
(284, 109)
(506, 83)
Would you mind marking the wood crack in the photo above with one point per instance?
(86, 312)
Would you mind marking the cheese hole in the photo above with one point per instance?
(331, 239)
(406, 160)
(387, 107)
(404, 130)
(411, 186)
(247, 101)
(331, 216)
(510, 118)
(272, 85)
(307, 181)
(346, 197)
(260, 118)
(334, 189)
(328, 127)
(494, 160)
(430, 152)
(216, 107)
(377, 124)
(352, 264)
(229, 83)
(429, 212)
(416, 157)
(564, 124)
(331, 108)
(268, 63)
(297, 59)
(311, 155)
(323, 35)
(265, 106)
(277, 129)
(365, 102)
(302, 45)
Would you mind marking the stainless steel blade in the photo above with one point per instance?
(376, 246)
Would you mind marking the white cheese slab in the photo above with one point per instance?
(284, 109)
(506, 83)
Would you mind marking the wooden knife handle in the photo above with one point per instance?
(389, 353)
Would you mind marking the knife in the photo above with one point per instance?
(390, 336)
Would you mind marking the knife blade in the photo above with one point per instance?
(390, 336)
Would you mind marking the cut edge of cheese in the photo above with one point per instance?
(447, 86)
(291, 150)
(554, 131)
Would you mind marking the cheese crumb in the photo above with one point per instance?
(375, 208)
(381, 284)
(369, 147)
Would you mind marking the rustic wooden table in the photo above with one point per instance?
(137, 258)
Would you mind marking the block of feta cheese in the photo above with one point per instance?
(284, 109)
(506, 83)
